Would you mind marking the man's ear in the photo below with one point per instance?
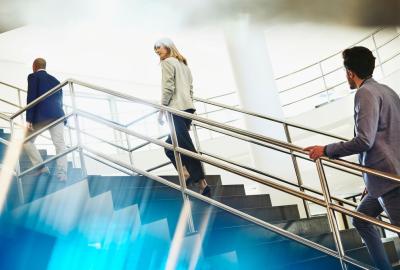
(349, 73)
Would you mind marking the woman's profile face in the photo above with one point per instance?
(161, 51)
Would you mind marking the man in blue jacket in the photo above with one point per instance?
(377, 139)
(42, 114)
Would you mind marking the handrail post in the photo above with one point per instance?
(330, 213)
(20, 102)
(344, 218)
(115, 117)
(179, 167)
(197, 142)
(297, 170)
(378, 55)
(78, 129)
(70, 141)
(128, 143)
(19, 98)
(17, 169)
(324, 80)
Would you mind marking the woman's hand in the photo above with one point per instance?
(161, 118)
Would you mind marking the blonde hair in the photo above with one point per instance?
(172, 50)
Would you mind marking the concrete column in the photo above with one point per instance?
(258, 92)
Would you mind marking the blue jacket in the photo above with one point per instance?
(49, 109)
(377, 140)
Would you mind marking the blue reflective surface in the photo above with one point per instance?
(121, 225)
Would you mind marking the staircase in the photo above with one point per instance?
(129, 222)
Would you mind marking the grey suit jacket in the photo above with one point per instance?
(177, 85)
(377, 135)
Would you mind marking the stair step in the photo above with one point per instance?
(99, 184)
(228, 190)
(34, 188)
(361, 253)
(249, 201)
(220, 218)
(325, 262)
(230, 238)
(5, 136)
(306, 226)
(24, 157)
(274, 254)
(212, 180)
(142, 181)
(52, 165)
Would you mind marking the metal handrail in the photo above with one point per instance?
(282, 144)
(329, 57)
(339, 68)
(4, 117)
(141, 118)
(14, 87)
(272, 184)
(323, 75)
(269, 118)
(315, 94)
(221, 105)
(327, 203)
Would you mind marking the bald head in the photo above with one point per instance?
(39, 63)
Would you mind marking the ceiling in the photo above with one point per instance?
(14, 13)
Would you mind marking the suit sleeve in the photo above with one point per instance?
(168, 82)
(32, 95)
(366, 106)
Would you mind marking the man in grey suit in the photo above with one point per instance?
(377, 141)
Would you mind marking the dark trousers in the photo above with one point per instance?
(390, 203)
(182, 126)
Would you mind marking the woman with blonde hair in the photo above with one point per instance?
(177, 93)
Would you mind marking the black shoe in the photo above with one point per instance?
(207, 192)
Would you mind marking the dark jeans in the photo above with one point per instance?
(182, 126)
(390, 203)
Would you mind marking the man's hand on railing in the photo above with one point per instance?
(315, 151)
(161, 118)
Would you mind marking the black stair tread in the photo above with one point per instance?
(247, 201)
(52, 165)
(361, 253)
(220, 218)
(142, 181)
(325, 262)
(313, 225)
(228, 190)
(24, 157)
(212, 180)
(297, 254)
(274, 253)
(103, 184)
(256, 235)
(34, 187)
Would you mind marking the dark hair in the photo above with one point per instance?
(359, 60)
